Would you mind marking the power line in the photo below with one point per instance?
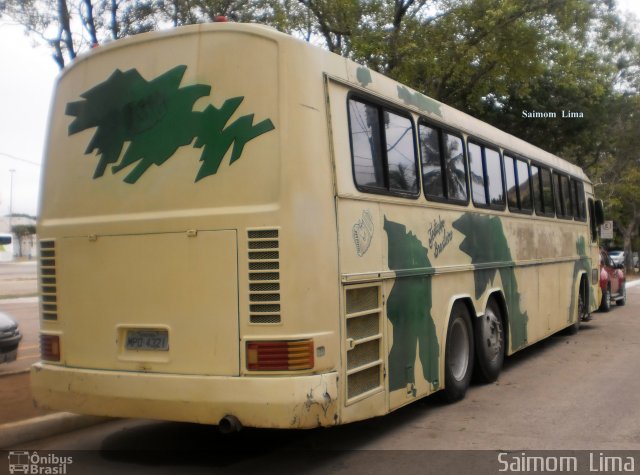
(21, 159)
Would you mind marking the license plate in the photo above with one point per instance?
(148, 340)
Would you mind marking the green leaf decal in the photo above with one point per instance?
(409, 310)
(485, 242)
(157, 118)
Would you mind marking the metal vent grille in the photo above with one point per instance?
(363, 354)
(48, 282)
(363, 327)
(363, 346)
(264, 276)
(363, 382)
(363, 298)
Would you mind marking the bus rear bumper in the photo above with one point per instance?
(274, 402)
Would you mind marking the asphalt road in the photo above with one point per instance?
(566, 393)
(18, 279)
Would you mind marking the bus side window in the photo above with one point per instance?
(524, 188)
(495, 182)
(547, 191)
(566, 196)
(578, 198)
(536, 184)
(382, 150)
(512, 189)
(444, 169)
(557, 197)
(485, 169)
(432, 176)
(366, 145)
(518, 185)
(476, 171)
(455, 168)
(401, 157)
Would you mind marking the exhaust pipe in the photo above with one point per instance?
(229, 424)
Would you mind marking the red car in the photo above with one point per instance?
(612, 282)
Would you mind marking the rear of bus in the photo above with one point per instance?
(188, 261)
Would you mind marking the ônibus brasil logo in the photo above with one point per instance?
(34, 463)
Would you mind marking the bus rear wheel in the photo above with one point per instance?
(489, 344)
(583, 311)
(459, 352)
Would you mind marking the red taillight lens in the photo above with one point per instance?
(50, 347)
(279, 355)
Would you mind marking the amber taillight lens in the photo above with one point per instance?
(50, 347)
(279, 355)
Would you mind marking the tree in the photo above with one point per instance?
(491, 58)
(618, 177)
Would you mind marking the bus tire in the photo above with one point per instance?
(583, 311)
(489, 342)
(605, 304)
(459, 354)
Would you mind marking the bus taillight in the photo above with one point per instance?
(50, 347)
(280, 355)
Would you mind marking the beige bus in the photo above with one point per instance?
(239, 228)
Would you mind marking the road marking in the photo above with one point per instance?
(37, 357)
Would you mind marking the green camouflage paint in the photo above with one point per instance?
(485, 242)
(363, 75)
(583, 264)
(157, 118)
(409, 310)
(418, 100)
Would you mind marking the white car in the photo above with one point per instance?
(617, 257)
(9, 339)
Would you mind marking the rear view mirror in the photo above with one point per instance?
(599, 212)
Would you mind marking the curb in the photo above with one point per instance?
(16, 433)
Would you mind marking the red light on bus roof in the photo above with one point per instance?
(280, 355)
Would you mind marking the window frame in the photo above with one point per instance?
(484, 145)
(517, 157)
(578, 188)
(383, 106)
(541, 167)
(442, 129)
(563, 215)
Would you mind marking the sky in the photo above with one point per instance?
(27, 78)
